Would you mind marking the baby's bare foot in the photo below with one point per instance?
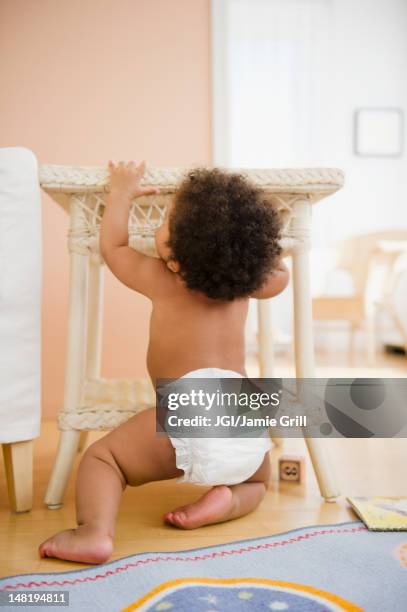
(213, 507)
(84, 544)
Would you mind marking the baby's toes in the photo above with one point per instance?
(57, 544)
(46, 548)
(42, 550)
(186, 518)
(178, 518)
(169, 518)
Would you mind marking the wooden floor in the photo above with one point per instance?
(364, 467)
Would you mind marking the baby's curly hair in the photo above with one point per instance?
(223, 234)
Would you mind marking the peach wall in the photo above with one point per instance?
(88, 80)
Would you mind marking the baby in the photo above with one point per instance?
(218, 246)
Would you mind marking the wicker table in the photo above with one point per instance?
(94, 403)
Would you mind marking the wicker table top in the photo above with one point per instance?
(316, 183)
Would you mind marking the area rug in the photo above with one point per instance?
(314, 569)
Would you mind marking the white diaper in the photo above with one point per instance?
(217, 461)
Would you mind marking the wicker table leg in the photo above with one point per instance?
(74, 369)
(67, 449)
(304, 350)
(266, 355)
(94, 335)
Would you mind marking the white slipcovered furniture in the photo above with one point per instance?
(91, 402)
(20, 312)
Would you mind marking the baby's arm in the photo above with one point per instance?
(275, 283)
(132, 268)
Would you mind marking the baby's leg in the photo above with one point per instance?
(223, 503)
(131, 454)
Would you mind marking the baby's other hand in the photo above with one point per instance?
(125, 179)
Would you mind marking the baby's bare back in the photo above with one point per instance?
(189, 331)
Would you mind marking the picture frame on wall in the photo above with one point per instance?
(379, 132)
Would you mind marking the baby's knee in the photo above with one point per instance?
(100, 451)
(95, 450)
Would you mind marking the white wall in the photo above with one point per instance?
(294, 72)
(364, 65)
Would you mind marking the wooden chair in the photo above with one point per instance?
(370, 268)
(94, 403)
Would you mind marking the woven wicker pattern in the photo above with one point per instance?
(71, 178)
(108, 403)
(87, 186)
(145, 216)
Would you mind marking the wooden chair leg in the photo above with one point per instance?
(370, 335)
(353, 326)
(304, 349)
(18, 461)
